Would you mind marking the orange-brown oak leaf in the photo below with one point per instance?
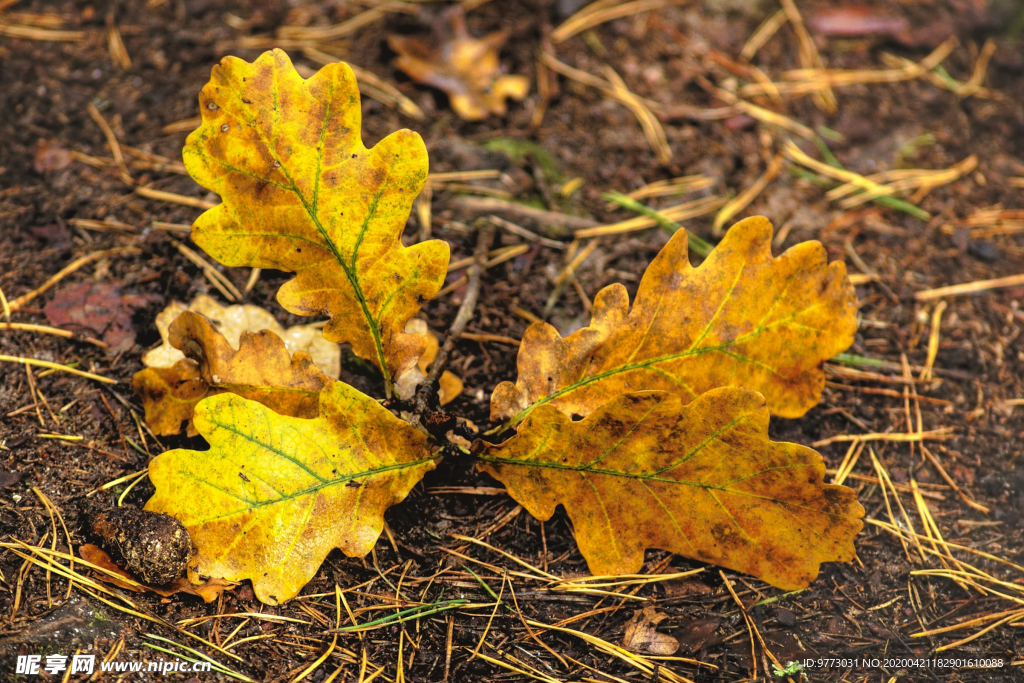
(261, 369)
(301, 193)
(464, 67)
(109, 572)
(741, 318)
(274, 494)
(232, 321)
(169, 395)
(701, 480)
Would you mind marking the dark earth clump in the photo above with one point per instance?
(73, 626)
(153, 547)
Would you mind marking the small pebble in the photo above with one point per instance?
(984, 251)
(785, 617)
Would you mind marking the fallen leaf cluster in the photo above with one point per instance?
(650, 425)
(737, 337)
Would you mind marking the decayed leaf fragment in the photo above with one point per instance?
(642, 634)
(96, 308)
(464, 67)
(701, 480)
(301, 193)
(274, 495)
(232, 321)
(261, 369)
(741, 318)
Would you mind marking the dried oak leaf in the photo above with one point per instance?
(449, 385)
(741, 318)
(274, 494)
(261, 369)
(464, 67)
(232, 321)
(698, 634)
(642, 634)
(701, 480)
(95, 555)
(301, 193)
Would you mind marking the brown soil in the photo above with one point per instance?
(868, 608)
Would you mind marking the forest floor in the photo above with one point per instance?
(942, 546)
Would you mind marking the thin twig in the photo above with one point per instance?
(115, 147)
(216, 278)
(173, 198)
(971, 287)
(527, 234)
(590, 17)
(550, 223)
(768, 28)
(67, 334)
(5, 306)
(56, 366)
(809, 56)
(462, 317)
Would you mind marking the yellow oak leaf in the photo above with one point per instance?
(741, 318)
(261, 369)
(301, 193)
(464, 67)
(701, 480)
(274, 494)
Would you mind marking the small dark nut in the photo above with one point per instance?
(153, 547)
